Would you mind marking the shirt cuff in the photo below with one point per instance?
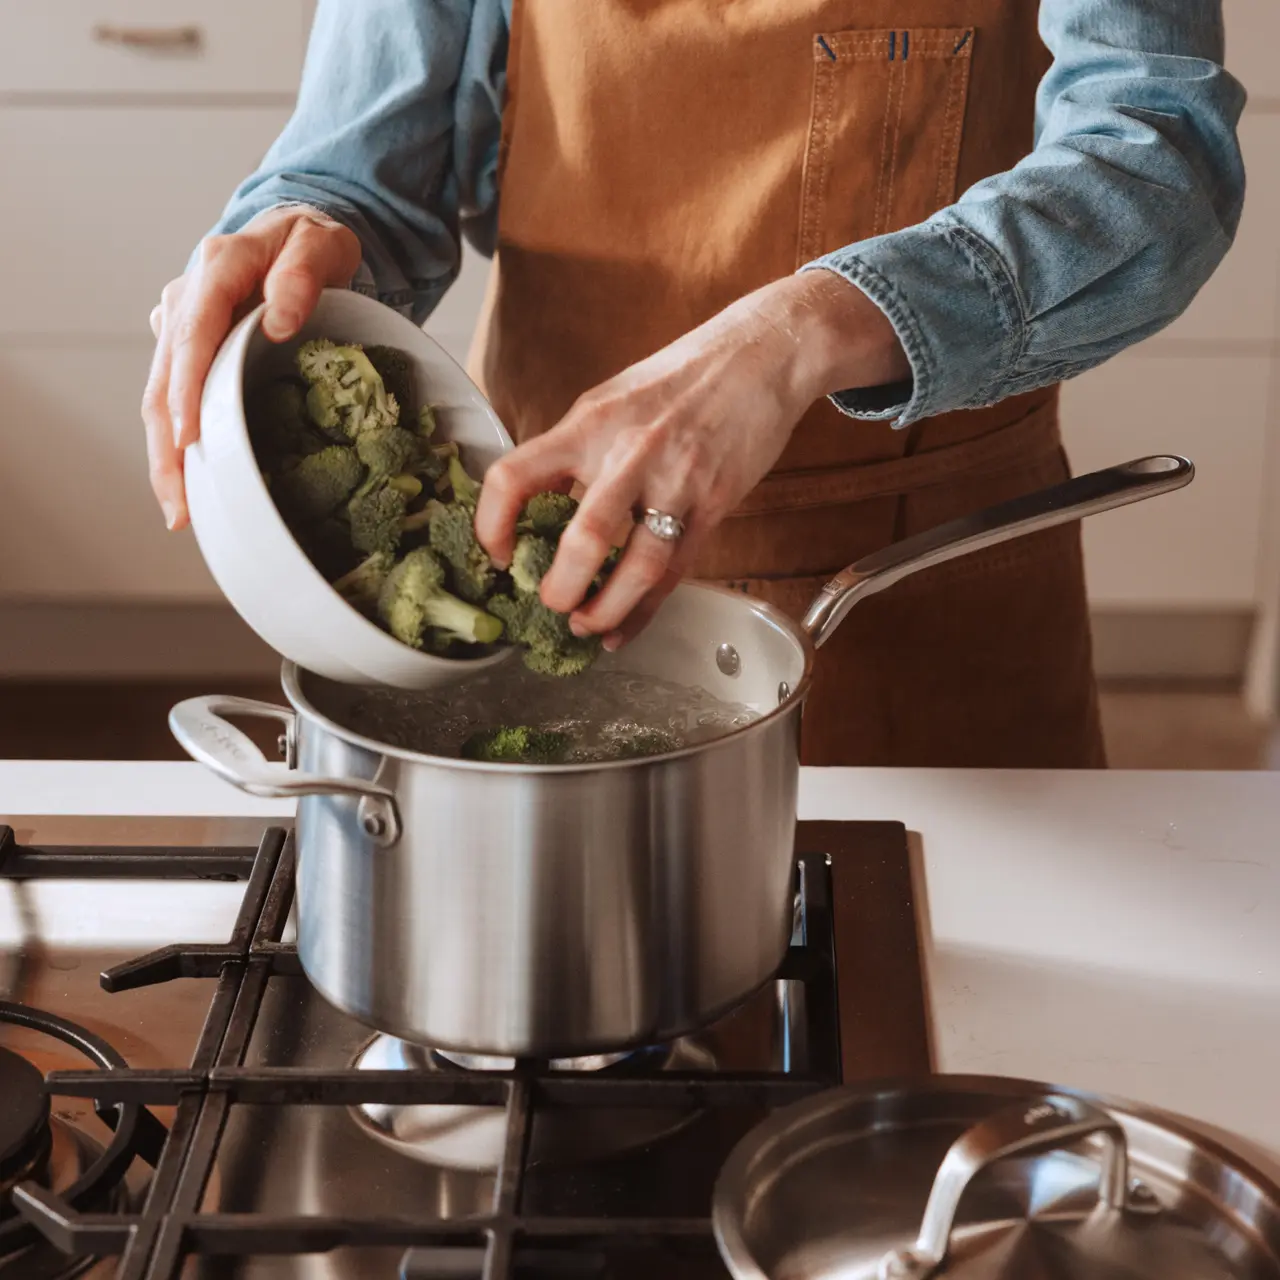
(954, 307)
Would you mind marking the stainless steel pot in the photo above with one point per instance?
(568, 910)
(980, 1178)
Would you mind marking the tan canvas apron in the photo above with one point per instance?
(660, 158)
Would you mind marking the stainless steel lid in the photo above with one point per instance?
(975, 1178)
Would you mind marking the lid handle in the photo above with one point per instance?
(1055, 1120)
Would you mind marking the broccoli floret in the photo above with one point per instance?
(531, 561)
(377, 519)
(518, 744)
(433, 464)
(278, 423)
(413, 600)
(346, 395)
(453, 537)
(566, 658)
(363, 585)
(426, 422)
(396, 372)
(387, 452)
(547, 514)
(465, 489)
(550, 647)
(315, 486)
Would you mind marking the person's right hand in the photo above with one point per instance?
(284, 256)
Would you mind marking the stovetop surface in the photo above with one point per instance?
(283, 1158)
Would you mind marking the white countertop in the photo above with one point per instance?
(1111, 931)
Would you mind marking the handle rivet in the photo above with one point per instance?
(374, 825)
(784, 692)
(282, 746)
(727, 660)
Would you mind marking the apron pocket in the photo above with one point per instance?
(884, 132)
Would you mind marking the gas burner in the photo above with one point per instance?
(40, 1147)
(25, 1136)
(472, 1137)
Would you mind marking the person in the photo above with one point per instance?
(787, 279)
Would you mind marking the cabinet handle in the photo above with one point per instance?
(153, 39)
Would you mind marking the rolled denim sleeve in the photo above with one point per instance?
(1100, 237)
(372, 142)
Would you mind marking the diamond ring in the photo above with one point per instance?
(663, 526)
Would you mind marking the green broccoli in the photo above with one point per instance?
(413, 601)
(530, 562)
(433, 463)
(377, 519)
(278, 423)
(550, 647)
(465, 490)
(547, 514)
(387, 452)
(569, 657)
(426, 422)
(396, 372)
(518, 744)
(315, 486)
(346, 395)
(363, 584)
(453, 537)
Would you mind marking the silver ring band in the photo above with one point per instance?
(663, 525)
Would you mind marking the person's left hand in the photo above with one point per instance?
(690, 431)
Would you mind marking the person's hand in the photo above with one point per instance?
(690, 432)
(286, 256)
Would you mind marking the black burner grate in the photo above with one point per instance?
(152, 1243)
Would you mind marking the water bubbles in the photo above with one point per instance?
(597, 710)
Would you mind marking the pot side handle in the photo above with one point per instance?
(204, 733)
(1072, 500)
(1052, 1121)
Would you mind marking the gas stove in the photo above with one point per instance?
(175, 1100)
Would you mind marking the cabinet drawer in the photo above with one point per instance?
(162, 47)
(77, 519)
(1197, 548)
(123, 195)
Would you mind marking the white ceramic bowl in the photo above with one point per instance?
(253, 558)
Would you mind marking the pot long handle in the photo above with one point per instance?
(202, 730)
(1053, 1121)
(1073, 500)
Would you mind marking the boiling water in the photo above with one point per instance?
(596, 710)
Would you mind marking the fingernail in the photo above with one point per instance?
(170, 514)
(176, 419)
(612, 642)
(279, 325)
(579, 628)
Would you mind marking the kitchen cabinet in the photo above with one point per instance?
(79, 522)
(122, 135)
(1198, 548)
(152, 48)
(117, 200)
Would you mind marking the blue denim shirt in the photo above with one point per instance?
(1098, 238)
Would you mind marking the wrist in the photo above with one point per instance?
(843, 341)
